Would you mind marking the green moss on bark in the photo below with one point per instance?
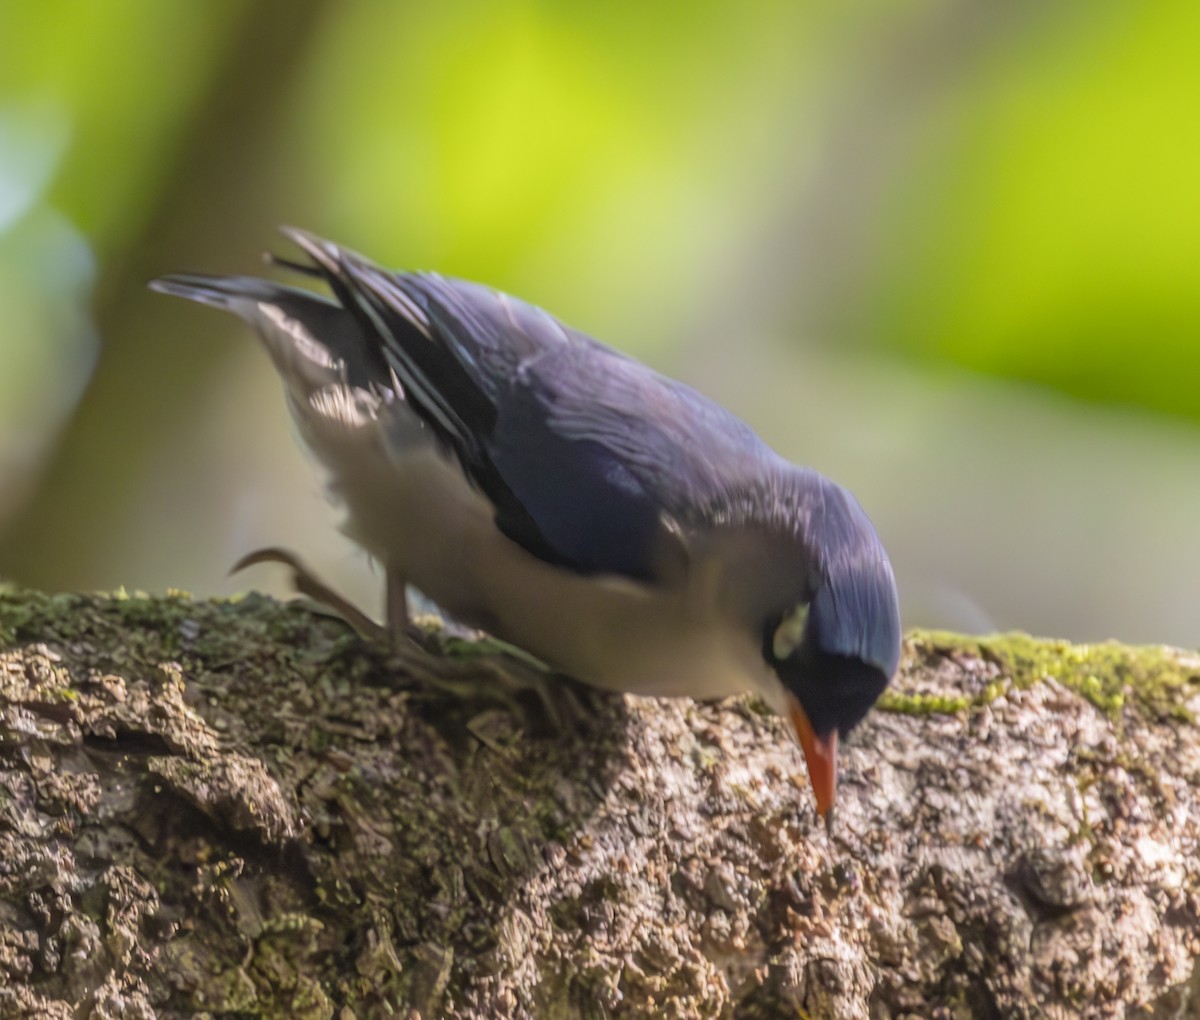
(1151, 679)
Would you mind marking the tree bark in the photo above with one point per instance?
(240, 809)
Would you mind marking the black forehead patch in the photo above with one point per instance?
(836, 691)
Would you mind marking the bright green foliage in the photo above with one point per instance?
(1053, 231)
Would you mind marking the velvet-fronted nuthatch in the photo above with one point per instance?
(538, 485)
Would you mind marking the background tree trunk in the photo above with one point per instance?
(222, 201)
(239, 809)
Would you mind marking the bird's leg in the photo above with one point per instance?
(397, 602)
(400, 627)
(498, 671)
(306, 583)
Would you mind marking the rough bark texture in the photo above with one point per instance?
(239, 809)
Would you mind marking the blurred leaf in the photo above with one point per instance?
(1060, 240)
(124, 74)
(567, 152)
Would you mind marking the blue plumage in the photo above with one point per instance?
(617, 523)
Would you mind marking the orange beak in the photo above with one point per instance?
(821, 755)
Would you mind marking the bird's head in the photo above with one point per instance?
(837, 648)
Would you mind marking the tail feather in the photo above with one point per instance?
(312, 340)
(302, 268)
(224, 292)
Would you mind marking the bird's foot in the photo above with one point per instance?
(312, 587)
(473, 666)
(550, 702)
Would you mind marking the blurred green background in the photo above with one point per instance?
(947, 252)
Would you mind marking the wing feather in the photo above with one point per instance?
(590, 459)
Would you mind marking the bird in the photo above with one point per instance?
(554, 492)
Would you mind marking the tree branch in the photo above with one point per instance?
(239, 808)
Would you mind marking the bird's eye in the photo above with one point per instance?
(790, 632)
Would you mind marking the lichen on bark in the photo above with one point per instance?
(236, 808)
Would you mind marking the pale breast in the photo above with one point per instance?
(410, 506)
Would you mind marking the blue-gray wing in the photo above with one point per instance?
(591, 460)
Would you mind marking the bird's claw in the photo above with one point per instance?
(503, 674)
(309, 585)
